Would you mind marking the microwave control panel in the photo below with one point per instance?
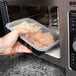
(72, 39)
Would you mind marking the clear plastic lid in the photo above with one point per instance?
(39, 37)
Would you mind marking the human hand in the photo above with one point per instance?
(9, 44)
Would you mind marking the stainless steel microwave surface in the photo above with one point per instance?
(65, 55)
(27, 2)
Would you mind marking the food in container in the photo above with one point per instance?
(32, 27)
(40, 38)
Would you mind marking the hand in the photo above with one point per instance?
(9, 44)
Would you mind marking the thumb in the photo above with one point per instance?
(12, 37)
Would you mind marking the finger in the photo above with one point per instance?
(8, 51)
(16, 33)
(19, 48)
(12, 37)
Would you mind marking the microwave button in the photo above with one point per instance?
(74, 46)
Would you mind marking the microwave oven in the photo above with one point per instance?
(58, 15)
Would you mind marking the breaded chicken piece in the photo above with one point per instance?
(46, 38)
(40, 39)
(37, 35)
(39, 45)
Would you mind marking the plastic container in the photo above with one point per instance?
(44, 30)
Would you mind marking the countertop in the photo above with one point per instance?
(28, 65)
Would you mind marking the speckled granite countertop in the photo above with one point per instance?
(28, 65)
